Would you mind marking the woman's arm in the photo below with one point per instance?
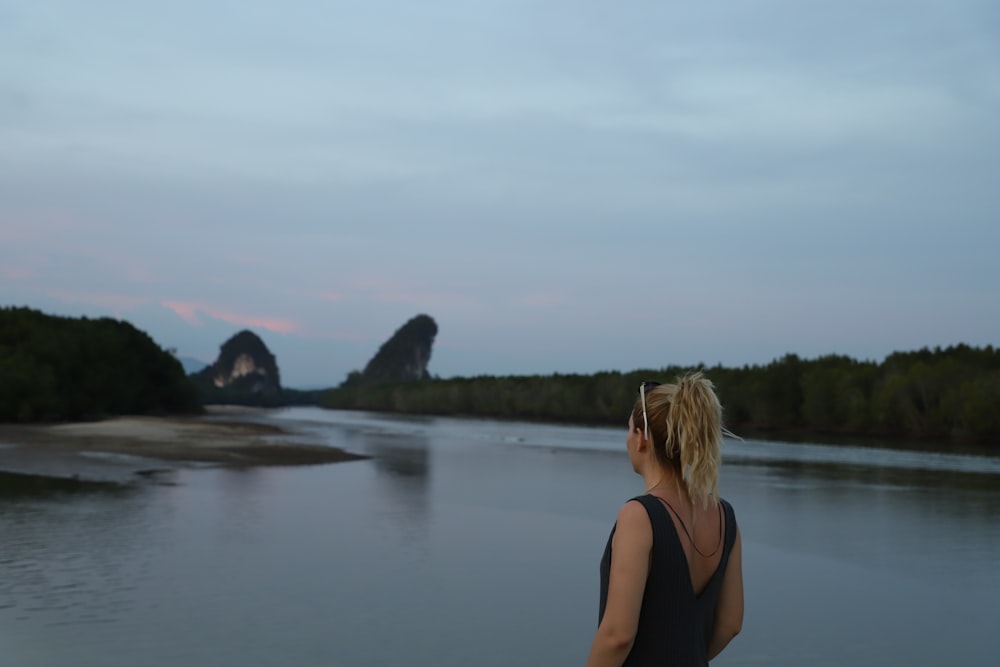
(729, 608)
(630, 549)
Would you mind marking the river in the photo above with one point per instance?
(473, 542)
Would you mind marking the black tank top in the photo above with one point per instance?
(675, 625)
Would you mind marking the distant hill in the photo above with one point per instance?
(192, 365)
(63, 368)
(246, 372)
(402, 358)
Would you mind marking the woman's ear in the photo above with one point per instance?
(641, 443)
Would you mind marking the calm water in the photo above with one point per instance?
(468, 542)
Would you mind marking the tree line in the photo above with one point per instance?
(936, 394)
(62, 368)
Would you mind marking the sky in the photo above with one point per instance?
(563, 186)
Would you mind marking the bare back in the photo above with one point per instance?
(701, 531)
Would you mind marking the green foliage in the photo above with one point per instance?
(61, 368)
(942, 394)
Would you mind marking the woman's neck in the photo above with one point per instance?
(659, 479)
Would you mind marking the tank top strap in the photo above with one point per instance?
(730, 538)
(663, 525)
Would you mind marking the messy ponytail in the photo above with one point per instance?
(685, 428)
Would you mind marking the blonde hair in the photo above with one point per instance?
(685, 431)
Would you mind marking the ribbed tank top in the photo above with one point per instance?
(675, 625)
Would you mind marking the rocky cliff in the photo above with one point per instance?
(403, 357)
(244, 365)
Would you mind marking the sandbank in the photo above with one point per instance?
(101, 448)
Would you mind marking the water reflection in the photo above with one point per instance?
(403, 466)
(408, 458)
(242, 502)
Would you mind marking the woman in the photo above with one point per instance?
(671, 576)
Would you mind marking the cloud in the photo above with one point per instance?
(538, 300)
(33, 225)
(113, 302)
(521, 172)
(188, 312)
(389, 290)
(16, 273)
(185, 311)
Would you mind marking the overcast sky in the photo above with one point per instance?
(564, 186)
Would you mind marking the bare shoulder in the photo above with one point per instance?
(633, 517)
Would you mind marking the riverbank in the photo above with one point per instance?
(115, 448)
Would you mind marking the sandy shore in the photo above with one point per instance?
(225, 440)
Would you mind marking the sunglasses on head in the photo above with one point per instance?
(643, 388)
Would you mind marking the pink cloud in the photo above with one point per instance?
(185, 311)
(189, 313)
